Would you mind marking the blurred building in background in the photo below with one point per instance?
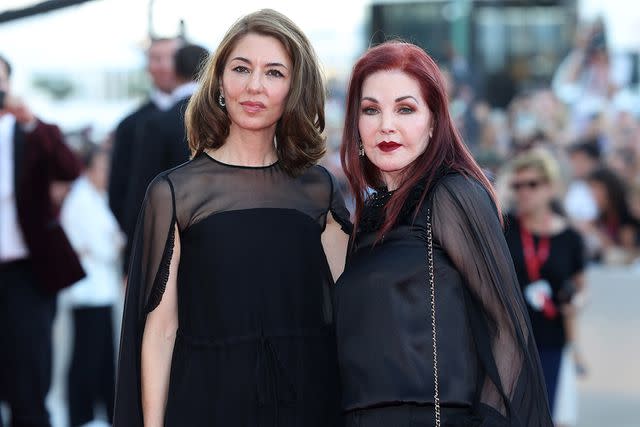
(499, 46)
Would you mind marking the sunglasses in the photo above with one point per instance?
(530, 184)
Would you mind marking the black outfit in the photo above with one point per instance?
(92, 372)
(566, 259)
(124, 142)
(26, 349)
(384, 330)
(161, 145)
(255, 344)
(409, 415)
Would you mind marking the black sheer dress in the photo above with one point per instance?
(489, 372)
(256, 342)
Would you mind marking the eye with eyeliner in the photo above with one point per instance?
(405, 109)
(369, 110)
(240, 69)
(275, 73)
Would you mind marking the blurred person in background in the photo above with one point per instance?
(615, 227)
(590, 74)
(160, 66)
(579, 203)
(228, 316)
(36, 259)
(432, 221)
(162, 144)
(95, 235)
(623, 161)
(548, 255)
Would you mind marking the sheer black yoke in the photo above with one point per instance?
(255, 343)
(487, 356)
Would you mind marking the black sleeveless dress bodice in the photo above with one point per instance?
(489, 373)
(384, 318)
(256, 343)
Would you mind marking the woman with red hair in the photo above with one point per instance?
(431, 324)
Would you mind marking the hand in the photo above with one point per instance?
(19, 109)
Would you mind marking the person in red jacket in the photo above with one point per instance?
(36, 259)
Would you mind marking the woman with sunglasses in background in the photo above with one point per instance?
(548, 255)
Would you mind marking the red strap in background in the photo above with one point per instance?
(534, 259)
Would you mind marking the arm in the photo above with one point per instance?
(152, 273)
(466, 225)
(565, 81)
(157, 347)
(335, 237)
(63, 163)
(334, 242)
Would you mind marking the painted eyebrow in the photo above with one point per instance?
(402, 98)
(270, 64)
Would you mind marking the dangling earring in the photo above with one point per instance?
(221, 100)
(360, 148)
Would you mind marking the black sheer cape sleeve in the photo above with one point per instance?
(466, 225)
(337, 206)
(148, 273)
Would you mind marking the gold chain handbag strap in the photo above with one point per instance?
(432, 288)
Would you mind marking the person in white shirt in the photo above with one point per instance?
(579, 202)
(96, 237)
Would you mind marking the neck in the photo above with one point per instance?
(392, 180)
(537, 219)
(247, 148)
(95, 182)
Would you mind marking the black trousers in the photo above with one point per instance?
(409, 415)
(91, 377)
(26, 318)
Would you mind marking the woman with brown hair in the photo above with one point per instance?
(431, 325)
(228, 318)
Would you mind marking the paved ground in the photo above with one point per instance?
(610, 338)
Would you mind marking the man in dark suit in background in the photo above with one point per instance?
(160, 66)
(36, 259)
(163, 141)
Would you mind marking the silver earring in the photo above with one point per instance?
(360, 148)
(221, 100)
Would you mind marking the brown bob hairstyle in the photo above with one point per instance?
(445, 149)
(300, 142)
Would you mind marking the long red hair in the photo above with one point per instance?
(445, 148)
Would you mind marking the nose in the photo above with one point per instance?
(254, 85)
(387, 126)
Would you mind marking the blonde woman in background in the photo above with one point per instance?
(549, 259)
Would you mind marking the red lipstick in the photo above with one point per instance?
(388, 146)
